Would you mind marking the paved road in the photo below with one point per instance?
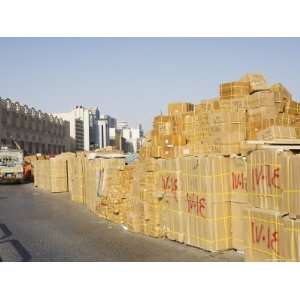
(40, 226)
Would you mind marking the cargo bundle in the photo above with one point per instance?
(217, 175)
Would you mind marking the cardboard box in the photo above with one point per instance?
(234, 90)
(264, 178)
(257, 82)
(263, 235)
(179, 108)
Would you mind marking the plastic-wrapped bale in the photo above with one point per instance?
(90, 182)
(264, 235)
(291, 185)
(42, 176)
(76, 179)
(290, 244)
(170, 191)
(206, 187)
(196, 192)
(264, 178)
(58, 175)
(135, 207)
(277, 132)
(239, 200)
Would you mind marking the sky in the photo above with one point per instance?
(133, 79)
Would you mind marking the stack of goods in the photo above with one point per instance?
(113, 189)
(152, 203)
(95, 181)
(51, 175)
(244, 110)
(167, 136)
(264, 176)
(76, 178)
(170, 191)
(234, 90)
(135, 205)
(239, 200)
(277, 132)
(291, 186)
(272, 221)
(196, 192)
(58, 175)
(144, 206)
(264, 235)
(41, 174)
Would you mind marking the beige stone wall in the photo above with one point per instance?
(35, 131)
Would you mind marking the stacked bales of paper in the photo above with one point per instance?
(239, 201)
(277, 132)
(196, 193)
(170, 191)
(290, 244)
(264, 178)
(179, 108)
(135, 214)
(97, 178)
(114, 190)
(144, 213)
(76, 171)
(42, 174)
(291, 185)
(58, 175)
(264, 235)
(271, 236)
(234, 89)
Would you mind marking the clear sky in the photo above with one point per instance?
(133, 79)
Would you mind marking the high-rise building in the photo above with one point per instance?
(87, 129)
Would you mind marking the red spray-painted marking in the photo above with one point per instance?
(196, 204)
(265, 174)
(264, 235)
(169, 184)
(239, 181)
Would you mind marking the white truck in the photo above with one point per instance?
(11, 165)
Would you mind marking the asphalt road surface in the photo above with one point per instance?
(40, 226)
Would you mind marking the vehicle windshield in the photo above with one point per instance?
(10, 159)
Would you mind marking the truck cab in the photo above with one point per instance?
(11, 165)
